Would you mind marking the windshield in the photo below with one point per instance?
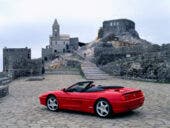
(79, 87)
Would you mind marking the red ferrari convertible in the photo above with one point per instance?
(87, 97)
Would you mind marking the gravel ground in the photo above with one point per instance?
(21, 108)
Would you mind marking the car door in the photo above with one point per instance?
(87, 100)
(71, 100)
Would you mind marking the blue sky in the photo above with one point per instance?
(28, 22)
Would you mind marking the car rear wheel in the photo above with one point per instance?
(52, 103)
(103, 108)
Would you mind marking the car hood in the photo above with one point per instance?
(50, 92)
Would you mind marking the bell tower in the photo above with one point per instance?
(56, 29)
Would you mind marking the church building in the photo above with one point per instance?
(59, 43)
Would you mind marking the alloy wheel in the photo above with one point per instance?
(103, 108)
(52, 103)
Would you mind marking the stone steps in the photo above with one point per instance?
(92, 72)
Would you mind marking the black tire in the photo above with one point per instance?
(103, 108)
(52, 103)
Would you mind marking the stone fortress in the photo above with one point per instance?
(122, 30)
(17, 62)
(121, 52)
(59, 43)
(119, 28)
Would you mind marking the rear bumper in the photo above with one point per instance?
(125, 106)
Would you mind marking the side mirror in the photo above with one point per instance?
(64, 90)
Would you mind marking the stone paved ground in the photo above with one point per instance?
(21, 108)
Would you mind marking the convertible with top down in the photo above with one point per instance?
(98, 99)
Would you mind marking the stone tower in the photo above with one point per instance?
(17, 62)
(58, 43)
(56, 30)
(55, 33)
(119, 27)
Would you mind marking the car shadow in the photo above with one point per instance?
(126, 115)
(114, 116)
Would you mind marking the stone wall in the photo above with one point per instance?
(4, 88)
(47, 53)
(106, 52)
(3, 74)
(12, 55)
(18, 62)
(135, 61)
(142, 67)
(27, 68)
(74, 43)
(36, 66)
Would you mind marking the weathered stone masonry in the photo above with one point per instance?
(118, 27)
(17, 62)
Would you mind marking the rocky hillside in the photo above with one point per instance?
(120, 51)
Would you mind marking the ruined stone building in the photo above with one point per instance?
(17, 62)
(120, 30)
(119, 27)
(59, 43)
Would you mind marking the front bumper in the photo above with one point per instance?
(42, 100)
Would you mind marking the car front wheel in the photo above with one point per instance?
(52, 103)
(103, 108)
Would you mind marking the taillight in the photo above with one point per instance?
(133, 95)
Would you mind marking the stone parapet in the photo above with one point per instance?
(4, 87)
